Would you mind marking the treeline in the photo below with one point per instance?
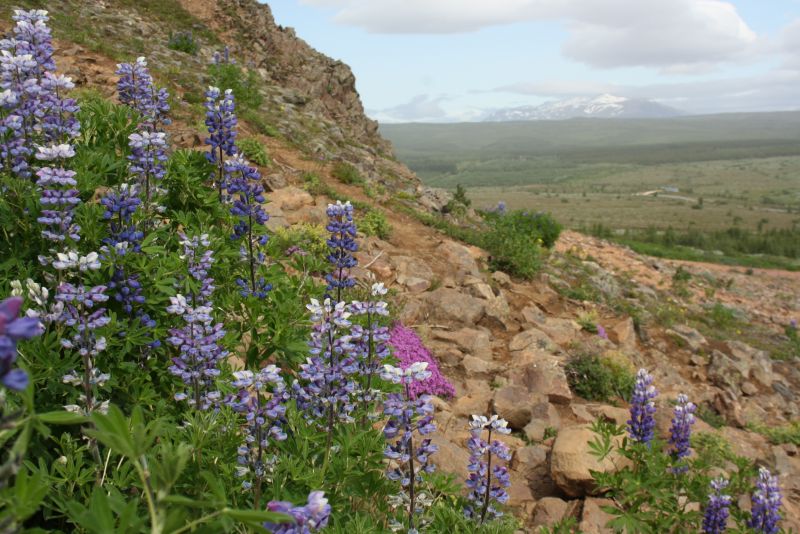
(733, 241)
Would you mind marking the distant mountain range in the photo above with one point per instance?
(603, 106)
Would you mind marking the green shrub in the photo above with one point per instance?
(244, 84)
(374, 223)
(254, 151)
(514, 240)
(183, 42)
(346, 173)
(599, 378)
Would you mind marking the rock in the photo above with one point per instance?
(571, 461)
(561, 331)
(688, 336)
(545, 377)
(544, 416)
(413, 311)
(274, 181)
(450, 458)
(451, 305)
(470, 340)
(548, 511)
(290, 198)
(623, 334)
(414, 285)
(459, 258)
(477, 403)
(616, 415)
(724, 372)
(593, 518)
(433, 198)
(533, 337)
(514, 404)
(408, 267)
(498, 313)
(502, 279)
(475, 367)
(757, 363)
(533, 315)
(531, 463)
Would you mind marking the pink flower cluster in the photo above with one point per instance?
(407, 347)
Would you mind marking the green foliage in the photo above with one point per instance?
(244, 84)
(346, 173)
(254, 151)
(779, 434)
(183, 42)
(374, 223)
(599, 378)
(654, 492)
(459, 203)
(515, 240)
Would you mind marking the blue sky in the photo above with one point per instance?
(443, 60)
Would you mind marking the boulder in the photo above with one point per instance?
(571, 461)
(450, 458)
(548, 511)
(470, 340)
(561, 331)
(460, 259)
(514, 403)
(447, 304)
(593, 518)
(688, 336)
(546, 377)
(623, 334)
(531, 338)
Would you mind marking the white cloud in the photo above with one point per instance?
(421, 108)
(676, 36)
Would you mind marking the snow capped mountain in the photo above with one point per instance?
(603, 106)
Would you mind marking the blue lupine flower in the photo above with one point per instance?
(199, 353)
(243, 183)
(715, 517)
(136, 90)
(370, 343)
(148, 158)
(310, 518)
(487, 482)
(681, 429)
(59, 198)
(407, 417)
(261, 398)
(14, 328)
(341, 244)
(766, 504)
(641, 425)
(221, 122)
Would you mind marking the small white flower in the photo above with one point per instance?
(379, 289)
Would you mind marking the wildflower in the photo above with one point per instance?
(487, 482)
(13, 329)
(136, 90)
(307, 519)
(766, 504)
(341, 244)
(59, 198)
(370, 342)
(45, 311)
(407, 417)
(641, 426)
(148, 158)
(407, 347)
(261, 398)
(199, 353)
(244, 185)
(716, 515)
(681, 428)
(601, 332)
(221, 122)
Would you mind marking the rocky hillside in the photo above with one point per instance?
(713, 333)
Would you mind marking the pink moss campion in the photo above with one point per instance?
(408, 348)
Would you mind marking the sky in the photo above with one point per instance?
(457, 60)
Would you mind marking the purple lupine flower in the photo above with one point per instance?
(199, 353)
(136, 90)
(487, 482)
(32, 36)
(14, 328)
(45, 311)
(681, 429)
(221, 122)
(55, 111)
(370, 342)
(407, 416)
(501, 208)
(243, 183)
(766, 504)
(59, 198)
(261, 398)
(341, 244)
(84, 314)
(120, 205)
(641, 426)
(408, 348)
(715, 517)
(148, 157)
(310, 518)
(327, 389)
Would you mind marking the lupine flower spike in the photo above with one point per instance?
(487, 482)
(641, 425)
(370, 342)
(715, 518)
(261, 398)
(197, 363)
(408, 461)
(243, 183)
(221, 122)
(766, 504)
(341, 244)
(310, 518)
(681, 429)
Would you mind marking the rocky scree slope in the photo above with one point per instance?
(504, 343)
